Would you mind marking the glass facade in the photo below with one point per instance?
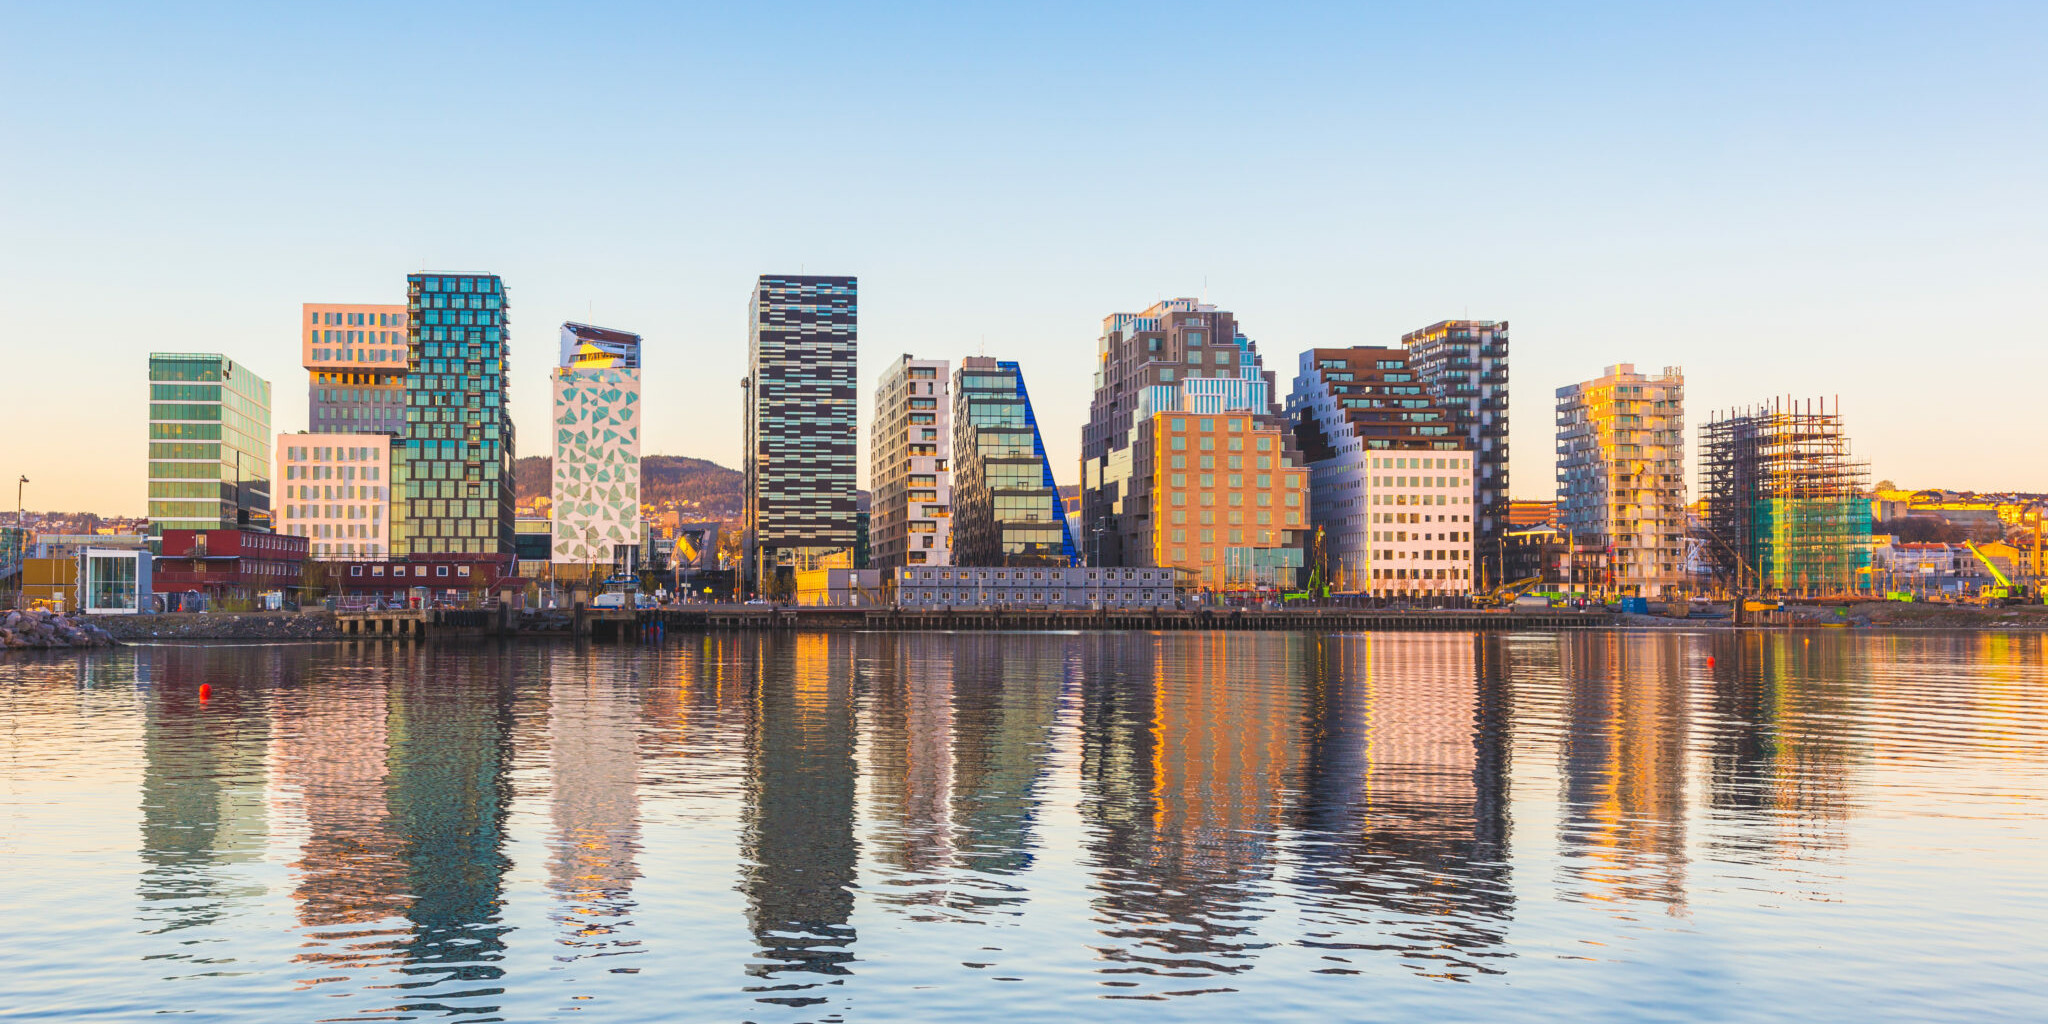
(209, 444)
(458, 428)
(802, 434)
(1006, 507)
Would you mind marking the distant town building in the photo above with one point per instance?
(459, 444)
(596, 427)
(335, 490)
(1621, 474)
(1186, 462)
(1786, 509)
(1465, 364)
(1525, 514)
(1006, 508)
(209, 444)
(1390, 480)
(355, 360)
(801, 429)
(909, 457)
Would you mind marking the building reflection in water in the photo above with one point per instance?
(958, 728)
(907, 751)
(594, 802)
(1184, 766)
(451, 729)
(204, 777)
(330, 752)
(798, 841)
(1006, 700)
(1779, 746)
(1403, 813)
(1624, 831)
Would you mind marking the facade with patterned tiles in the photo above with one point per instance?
(596, 486)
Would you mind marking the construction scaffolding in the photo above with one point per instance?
(1786, 504)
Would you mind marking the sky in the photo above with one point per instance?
(1808, 199)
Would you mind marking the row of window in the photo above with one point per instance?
(1006, 597)
(325, 453)
(356, 319)
(356, 337)
(1425, 554)
(332, 531)
(417, 571)
(358, 355)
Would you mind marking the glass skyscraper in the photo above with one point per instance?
(458, 428)
(1006, 508)
(802, 433)
(209, 444)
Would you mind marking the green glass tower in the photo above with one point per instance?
(209, 444)
(458, 427)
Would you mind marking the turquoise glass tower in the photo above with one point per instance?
(458, 427)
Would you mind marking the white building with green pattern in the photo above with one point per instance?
(596, 481)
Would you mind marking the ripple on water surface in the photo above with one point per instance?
(1100, 826)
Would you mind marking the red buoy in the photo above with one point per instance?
(205, 690)
(1710, 661)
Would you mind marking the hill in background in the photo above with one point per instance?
(666, 481)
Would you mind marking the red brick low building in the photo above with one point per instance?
(228, 563)
(443, 577)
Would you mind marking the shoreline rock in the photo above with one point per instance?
(46, 629)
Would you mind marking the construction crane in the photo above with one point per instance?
(2006, 592)
(1504, 596)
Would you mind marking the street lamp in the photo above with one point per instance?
(19, 520)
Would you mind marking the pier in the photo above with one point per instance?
(627, 624)
(1148, 619)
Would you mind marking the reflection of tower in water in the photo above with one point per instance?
(451, 727)
(331, 750)
(909, 754)
(1404, 820)
(1781, 746)
(1185, 767)
(798, 834)
(1006, 700)
(594, 760)
(204, 777)
(1624, 768)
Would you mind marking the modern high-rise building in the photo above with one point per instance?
(596, 428)
(801, 425)
(909, 450)
(1389, 475)
(1006, 508)
(1186, 462)
(459, 442)
(209, 444)
(1786, 505)
(1621, 475)
(1465, 364)
(334, 489)
(355, 359)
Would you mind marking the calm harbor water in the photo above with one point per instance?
(848, 827)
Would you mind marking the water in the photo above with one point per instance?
(848, 827)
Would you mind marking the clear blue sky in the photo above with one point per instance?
(1783, 198)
